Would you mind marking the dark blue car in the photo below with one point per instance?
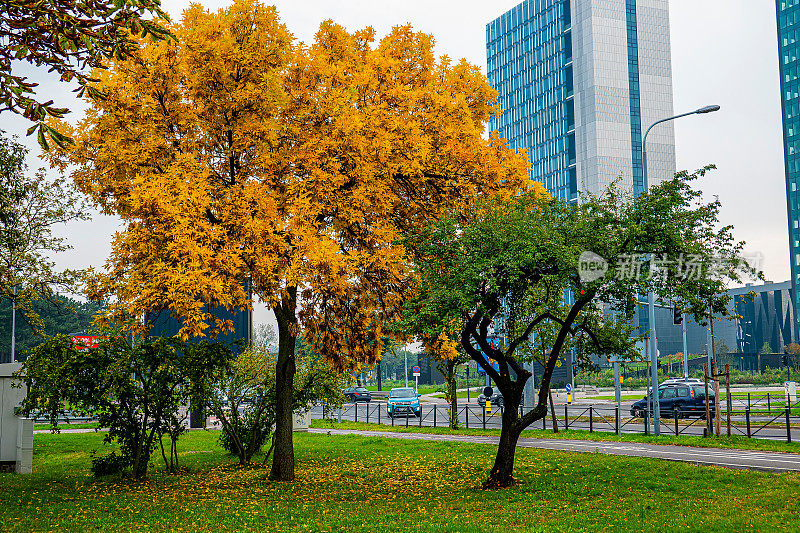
(688, 399)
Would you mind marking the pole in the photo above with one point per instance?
(13, 323)
(651, 296)
(715, 374)
(648, 383)
(706, 367)
(405, 358)
(685, 350)
(708, 342)
(651, 301)
(572, 371)
(416, 384)
(728, 389)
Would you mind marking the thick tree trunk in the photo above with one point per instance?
(283, 457)
(502, 474)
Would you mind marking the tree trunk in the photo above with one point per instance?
(553, 410)
(283, 457)
(502, 474)
(452, 395)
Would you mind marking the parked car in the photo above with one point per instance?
(693, 381)
(357, 394)
(687, 397)
(496, 398)
(402, 401)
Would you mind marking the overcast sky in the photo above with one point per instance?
(723, 52)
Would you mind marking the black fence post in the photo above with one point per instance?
(748, 400)
(769, 408)
(420, 416)
(544, 420)
(434, 415)
(367, 413)
(788, 426)
(677, 415)
(392, 417)
(747, 417)
(616, 419)
(407, 416)
(379, 415)
(591, 420)
(355, 406)
(466, 414)
(566, 418)
(646, 422)
(484, 417)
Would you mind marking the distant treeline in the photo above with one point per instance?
(64, 316)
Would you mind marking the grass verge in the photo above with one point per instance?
(345, 483)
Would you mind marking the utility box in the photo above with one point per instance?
(16, 434)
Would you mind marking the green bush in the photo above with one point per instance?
(106, 465)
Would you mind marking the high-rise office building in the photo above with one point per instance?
(579, 80)
(788, 14)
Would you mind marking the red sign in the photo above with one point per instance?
(84, 342)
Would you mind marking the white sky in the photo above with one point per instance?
(723, 52)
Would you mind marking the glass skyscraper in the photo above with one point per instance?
(788, 14)
(578, 82)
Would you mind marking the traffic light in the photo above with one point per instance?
(677, 315)
(575, 370)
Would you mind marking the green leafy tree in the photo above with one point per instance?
(134, 391)
(533, 247)
(242, 399)
(243, 394)
(68, 37)
(30, 208)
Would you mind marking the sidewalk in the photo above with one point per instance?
(728, 458)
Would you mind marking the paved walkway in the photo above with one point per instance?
(729, 458)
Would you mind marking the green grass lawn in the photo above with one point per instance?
(82, 425)
(350, 483)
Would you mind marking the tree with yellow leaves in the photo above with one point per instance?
(235, 153)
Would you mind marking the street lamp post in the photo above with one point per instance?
(651, 300)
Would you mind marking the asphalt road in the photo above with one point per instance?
(737, 459)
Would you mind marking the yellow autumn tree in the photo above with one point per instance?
(235, 153)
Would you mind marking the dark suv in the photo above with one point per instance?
(687, 398)
(357, 394)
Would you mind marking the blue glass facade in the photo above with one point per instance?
(635, 100)
(788, 15)
(529, 62)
